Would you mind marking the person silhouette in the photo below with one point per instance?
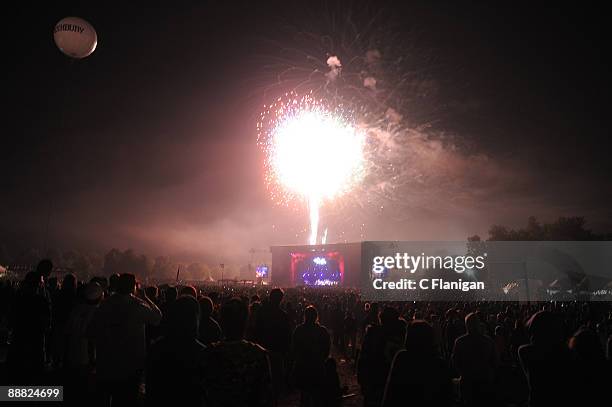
(591, 369)
(310, 350)
(238, 371)
(29, 320)
(380, 344)
(63, 303)
(547, 362)
(273, 332)
(118, 330)
(475, 358)
(209, 331)
(175, 363)
(418, 376)
(79, 356)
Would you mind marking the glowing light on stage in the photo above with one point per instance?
(320, 261)
(314, 153)
(261, 271)
(326, 282)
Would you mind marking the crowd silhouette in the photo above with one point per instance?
(112, 342)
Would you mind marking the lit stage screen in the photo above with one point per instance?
(261, 271)
(318, 268)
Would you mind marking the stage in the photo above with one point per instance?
(316, 265)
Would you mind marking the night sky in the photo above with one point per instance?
(150, 142)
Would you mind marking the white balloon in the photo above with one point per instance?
(75, 37)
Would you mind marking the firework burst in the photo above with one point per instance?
(314, 152)
(392, 86)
